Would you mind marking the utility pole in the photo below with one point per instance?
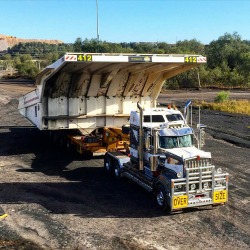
(97, 25)
(199, 81)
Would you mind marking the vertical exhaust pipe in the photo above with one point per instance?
(141, 139)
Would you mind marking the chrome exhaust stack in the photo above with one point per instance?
(141, 138)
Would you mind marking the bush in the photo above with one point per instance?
(222, 96)
(27, 69)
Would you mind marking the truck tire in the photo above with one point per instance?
(161, 193)
(108, 164)
(117, 170)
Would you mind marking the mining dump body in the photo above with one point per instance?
(93, 90)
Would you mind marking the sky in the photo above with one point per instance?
(125, 20)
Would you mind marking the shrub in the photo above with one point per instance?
(222, 96)
(230, 106)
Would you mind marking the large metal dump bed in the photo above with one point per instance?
(95, 90)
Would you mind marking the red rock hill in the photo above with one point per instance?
(9, 41)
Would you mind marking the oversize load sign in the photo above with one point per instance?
(180, 201)
(220, 196)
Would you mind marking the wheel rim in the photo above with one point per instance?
(117, 172)
(107, 165)
(160, 198)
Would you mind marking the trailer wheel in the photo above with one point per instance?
(161, 193)
(107, 164)
(117, 170)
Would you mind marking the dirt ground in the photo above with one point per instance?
(56, 200)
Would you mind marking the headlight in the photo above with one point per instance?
(193, 186)
(205, 185)
(178, 187)
(220, 182)
(219, 170)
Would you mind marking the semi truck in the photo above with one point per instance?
(90, 101)
(163, 159)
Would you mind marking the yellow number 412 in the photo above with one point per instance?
(190, 59)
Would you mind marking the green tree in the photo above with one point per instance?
(78, 45)
(26, 67)
(49, 58)
(190, 47)
(7, 62)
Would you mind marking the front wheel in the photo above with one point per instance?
(162, 197)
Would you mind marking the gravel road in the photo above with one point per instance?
(56, 200)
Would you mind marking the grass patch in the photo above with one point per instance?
(230, 106)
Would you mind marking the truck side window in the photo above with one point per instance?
(153, 118)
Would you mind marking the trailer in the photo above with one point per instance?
(82, 97)
(90, 90)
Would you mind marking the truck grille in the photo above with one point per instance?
(195, 163)
(199, 184)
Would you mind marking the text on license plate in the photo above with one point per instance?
(220, 196)
(180, 201)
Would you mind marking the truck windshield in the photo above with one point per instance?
(176, 141)
(174, 117)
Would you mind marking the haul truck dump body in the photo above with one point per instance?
(89, 91)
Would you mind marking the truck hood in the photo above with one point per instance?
(188, 152)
